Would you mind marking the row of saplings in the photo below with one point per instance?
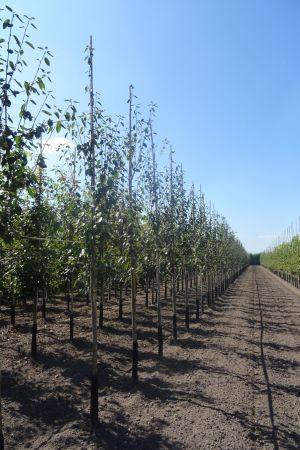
(291, 278)
(207, 289)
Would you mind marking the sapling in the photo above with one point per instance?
(184, 237)
(93, 267)
(132, 255)
(157, 239)
(173, 257)
(37, 222)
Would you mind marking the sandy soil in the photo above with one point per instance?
(233, 382)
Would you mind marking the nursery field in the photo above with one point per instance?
(232, 382)
(129, 315)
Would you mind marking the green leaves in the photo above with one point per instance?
(17, 40)
(18, 135)
(30, 44)
(27, 87)
(41, 162)
(41, 83)
(18, 141)
(125, 227)
(6, 24)
(31, 191)
(58, 126)
(284, 257)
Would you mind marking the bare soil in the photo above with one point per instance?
(233, 382)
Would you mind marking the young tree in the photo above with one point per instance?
(92, 247)
(156, 230)
(132, 254)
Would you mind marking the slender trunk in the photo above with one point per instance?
(101, 303)
(174, 309)
(68, 299)
(134, 330)
(131, 244)
(12, 305)
(157, 249)
(153, 291)
(159, 322)
(38, 251)
(197, 297)
(1, 424)
(201, 293)
(94, 377)
(93, 269)
(147, 292)
(209, 290)
(34, 325)
(187, 307)
(71, 309)
(121, 302)
(166, 289)
(109, 289)
(45, 297)
(174, 306)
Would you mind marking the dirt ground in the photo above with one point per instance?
(233, 382)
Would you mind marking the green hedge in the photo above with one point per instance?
(284, 257)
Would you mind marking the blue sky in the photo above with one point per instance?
(225, 76)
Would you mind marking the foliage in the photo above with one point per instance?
(284, 257)
(45, 223)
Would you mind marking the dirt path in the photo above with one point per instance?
(233, 382)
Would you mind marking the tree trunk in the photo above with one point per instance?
(187, 307)
(147, 292)
(152, 291)
(201, 293)
(1, 424)
(197, 297)
(94, 377)
(34, 325)
(109, 289)
(134, 330)
(101, 303)
(12, 304)
(159, 322)
(121, 302)
(45, 296)
(71, 309)
(93, 267)
(174, 307)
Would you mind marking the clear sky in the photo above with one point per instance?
(225, 75)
